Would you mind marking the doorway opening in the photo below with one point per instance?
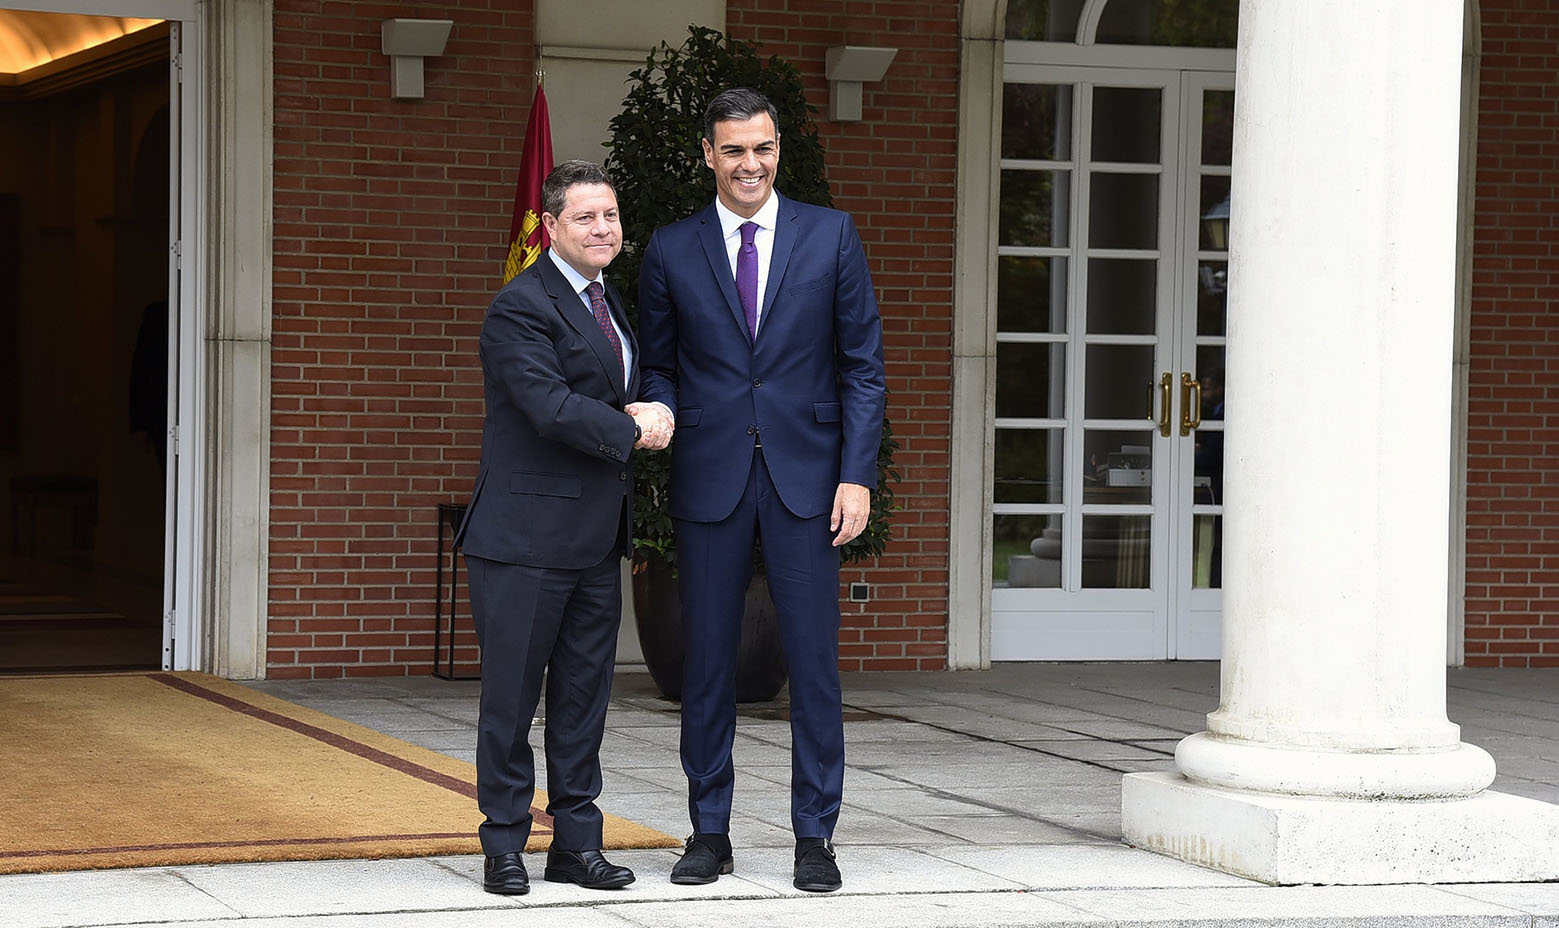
(85, 165)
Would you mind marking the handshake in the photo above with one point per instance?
(654, 422)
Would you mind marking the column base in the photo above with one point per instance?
(1491, 837)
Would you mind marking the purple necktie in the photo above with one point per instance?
(603, 318)
(747, 276)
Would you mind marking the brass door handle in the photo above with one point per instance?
(1164, 401)
(1190, 403)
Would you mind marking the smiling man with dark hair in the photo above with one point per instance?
(760, 335)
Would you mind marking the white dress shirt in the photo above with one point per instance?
(579, 282)
(731, 228)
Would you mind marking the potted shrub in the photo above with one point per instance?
(657, 163)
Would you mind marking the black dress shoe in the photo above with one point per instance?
(587, 868)
(505, 875)
(707, 856)
(816, 871)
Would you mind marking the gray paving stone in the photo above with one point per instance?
(556, 917)
(1297, 905)
(103, 897)
(940, 910)
(1531, 898)
(1006, 830)
(1087, 866)
(331, 887)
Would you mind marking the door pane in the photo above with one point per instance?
(1215, 213)
(1205, 24)
(1028, 465)
(1122, 296)
(1123, 211)
(1030, 380)
(1031, 294)
(1036, 122)
(1126, 124)
(1119, 467)
(1035, 208)
(1043, 20)
(1212, 297)
(1208, 478)
(1207, 552)
(1120, 383)
(1218, 127)
(1116, 552)
(1026, 551)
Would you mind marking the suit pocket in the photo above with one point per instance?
(827, 412)
(689, 416)
(807, 286)
(545, 484)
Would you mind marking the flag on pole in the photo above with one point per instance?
(527, 237)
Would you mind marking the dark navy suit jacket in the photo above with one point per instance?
(811, 385)
(554, 489)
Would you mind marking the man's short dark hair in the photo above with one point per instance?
(554, 190)
(739, 104)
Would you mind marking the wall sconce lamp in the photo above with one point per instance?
(407, 42)
(847, 67)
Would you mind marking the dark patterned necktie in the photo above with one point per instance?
(603, 318)
(747, 276)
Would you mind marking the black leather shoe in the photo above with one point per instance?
(505, 875)
(587, 868)
(816, 871)
(707, 856)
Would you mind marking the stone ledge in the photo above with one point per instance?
(1491, 837)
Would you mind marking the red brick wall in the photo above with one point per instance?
(895, 171)
(391, 224)
(1513, 404)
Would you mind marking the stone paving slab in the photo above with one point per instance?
(1419, 906)
(333, 887)
(1087, 867)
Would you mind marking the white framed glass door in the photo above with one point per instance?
(1203, 263)
(1099, 541)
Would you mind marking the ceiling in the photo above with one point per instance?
(29, 39)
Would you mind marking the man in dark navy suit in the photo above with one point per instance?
(548, 522)
(760, 335)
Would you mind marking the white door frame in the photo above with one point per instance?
(984, 54)
(1072, 622)
(220, 294)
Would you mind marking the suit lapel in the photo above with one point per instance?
(709, 234)
(572, 308)
(784, 243)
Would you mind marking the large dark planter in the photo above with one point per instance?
(657, 607)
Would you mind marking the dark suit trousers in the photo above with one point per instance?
(532, 621)
(714, 561)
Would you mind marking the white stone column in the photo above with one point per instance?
(1330, 758)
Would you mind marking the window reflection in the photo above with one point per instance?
(1034, 208)
(1043, 20)
(1030, 294)
(1117, 554)
(1028, 465)
(1026, 551)
(1036, 122)
(1030, 380)
(1205, 24)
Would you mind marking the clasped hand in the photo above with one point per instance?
(654, 422)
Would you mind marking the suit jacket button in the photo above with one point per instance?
(752, 430)
(622, 475)
(758, 382)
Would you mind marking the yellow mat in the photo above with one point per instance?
(152, 769)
